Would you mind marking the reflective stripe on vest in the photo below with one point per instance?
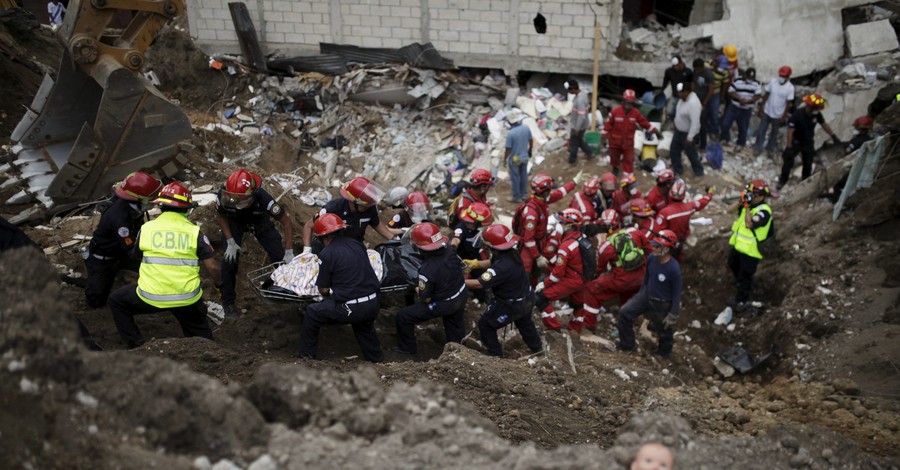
(170, 270)
(743, 239)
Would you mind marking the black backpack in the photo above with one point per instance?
(630, 256)
(588, 258)
(768, 246)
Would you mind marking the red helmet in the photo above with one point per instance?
(137, 186)
(428, 237)
(541, 183)
(500, 237)
(665, 176)
(627, 181)
(591, 186)
(863, 122)
(608, 181)
(362, 191)
(570, 216)
(477, 212)
(418, 206)
(678, 190)
(815, 101)
(629, 96)
(481, 177)
(175, 194)
(328, 223)
(610, 218)
(666, 238)
(758, 187)
(242, 183)
(640, 208)
(784, 71)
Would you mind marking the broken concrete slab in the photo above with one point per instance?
(871, 38)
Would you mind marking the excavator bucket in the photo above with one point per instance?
(100, 119)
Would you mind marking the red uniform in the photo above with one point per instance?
(565, 278)
(647, 226)
(532, 228)
(622, 201)
(658, 198)
(552, 245)
(588, 206)
(617, 282)
(467, 198)
(677, 216)
(620, 129)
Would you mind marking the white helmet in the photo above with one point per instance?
(396, 197)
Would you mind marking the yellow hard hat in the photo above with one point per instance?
(730, 52)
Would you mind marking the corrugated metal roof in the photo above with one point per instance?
(328, 64)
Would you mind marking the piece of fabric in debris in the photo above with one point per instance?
(300, 274)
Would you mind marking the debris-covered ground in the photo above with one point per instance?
(826, 398)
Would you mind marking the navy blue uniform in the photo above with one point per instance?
(804, 125)
(12, 237)
(344, 268)
(356, 221)
(512, 303)
(659, 296)
(442, 285)
(471, 246)
(257, 218)
(109, 250)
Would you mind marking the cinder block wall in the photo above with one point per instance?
(478, 33)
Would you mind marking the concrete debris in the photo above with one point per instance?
(871, 38)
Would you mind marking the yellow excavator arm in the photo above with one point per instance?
(100, 119)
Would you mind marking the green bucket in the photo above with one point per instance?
(592, 139)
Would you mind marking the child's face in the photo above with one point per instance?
(653, 457)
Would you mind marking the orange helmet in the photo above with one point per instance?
(362, 191)
(730, 52)
(477, 212)
(666, 237)
(328, 223)
(863, 122)
(815, 101)
(428, 237)
(500, 237)
(570, 216)
(678, 190)
(640, 208)
(629, 96)
(481, 177)
(175, 195)
(137, 186)
(541, 183)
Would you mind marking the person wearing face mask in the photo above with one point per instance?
(801, 137)
(774, 110)
(659, 298)
(244, 206)
(114, 236)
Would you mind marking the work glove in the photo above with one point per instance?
(471, 264)
(307, 249)
(541, 262)
(837, 140)
(670, 320)
(579, 177)
(288, 255)
(710, 190)
(231, 251)
(539, 287)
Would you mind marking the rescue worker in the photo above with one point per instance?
(658, 197)
(565, 279)
(622, 272)
(512, 299)
(349, 289)
(113, 239)
(586, 201)
(579, 121)
(416, 208)
(619, 128)
(643, 214)
(530, 219)
(862, 133)
(752, 226)
(659, 298)
(171, 249)
(357, 208)
(441, 290)
(628, 190)
(608, 186)
(242, 206)
(468, 241)
(801, 137)
(480, 183)
(677, 215)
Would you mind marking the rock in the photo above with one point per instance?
(202, 463)
(264, 462)
(830, 405)
(845, 386)
(723, 368)
(775, 406)
(225, 464)
(791, 443)
(871, 38)
(827, 454)
(800, 459)
(737, 417)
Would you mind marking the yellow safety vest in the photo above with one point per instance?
(170, 269)
(743, 239)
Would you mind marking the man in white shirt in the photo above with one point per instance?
(774, 110)
(56, 10)
(687, 126)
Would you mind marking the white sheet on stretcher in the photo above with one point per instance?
(300, 274)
